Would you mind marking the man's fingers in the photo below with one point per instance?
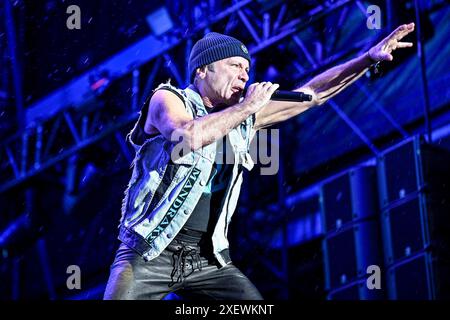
(401, 35)
(404, 30)
(251, 88)
(392, 42)
(266, 84)
(273, 87)
(401, 31)
(388, 57)
(397, 32)
(404, 44)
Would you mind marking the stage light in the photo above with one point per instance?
(159, 21)
(99, 82)
(271, 74)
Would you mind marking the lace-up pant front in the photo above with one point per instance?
(180, 269)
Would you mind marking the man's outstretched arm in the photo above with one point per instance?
(329, 83)
(168, 115)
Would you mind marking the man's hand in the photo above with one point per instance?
(383, 50)
(258, 95)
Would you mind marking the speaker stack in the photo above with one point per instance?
(350, 218)
(414, 190)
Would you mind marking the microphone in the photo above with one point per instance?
(282, 95)
(295, 96)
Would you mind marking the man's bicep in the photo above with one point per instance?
(167, 113)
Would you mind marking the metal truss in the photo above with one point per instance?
(53, 134)
(15, 61)
(55, 140)
(30, 151)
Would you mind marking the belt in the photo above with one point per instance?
(192, 233)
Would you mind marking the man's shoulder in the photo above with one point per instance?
(167, 89)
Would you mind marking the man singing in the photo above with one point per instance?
(191, 147)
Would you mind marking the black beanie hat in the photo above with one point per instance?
(213, 47)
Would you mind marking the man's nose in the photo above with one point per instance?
(244, 76)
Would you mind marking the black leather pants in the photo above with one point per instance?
(181, 268)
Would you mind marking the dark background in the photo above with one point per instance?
(66, 210)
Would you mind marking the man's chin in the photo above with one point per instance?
(234, 98)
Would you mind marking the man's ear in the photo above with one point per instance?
(201, 72)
